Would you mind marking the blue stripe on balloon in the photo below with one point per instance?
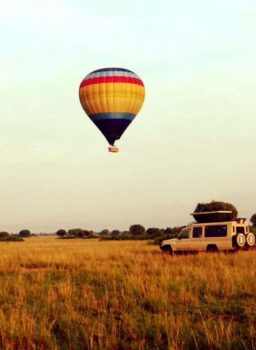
(111, 70)
(100, 116)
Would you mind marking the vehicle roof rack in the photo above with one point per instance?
(213, 216)
(212, 212)
(240, 220)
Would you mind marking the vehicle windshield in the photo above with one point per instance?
(183, 234)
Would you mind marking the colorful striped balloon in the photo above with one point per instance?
(112, 97)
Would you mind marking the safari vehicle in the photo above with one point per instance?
(211, 237)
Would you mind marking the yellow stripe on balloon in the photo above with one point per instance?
(111, 98)
(118, 106)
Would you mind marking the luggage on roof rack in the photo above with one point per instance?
(213, 216)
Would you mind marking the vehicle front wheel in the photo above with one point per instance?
(250, 240)
(167, 249)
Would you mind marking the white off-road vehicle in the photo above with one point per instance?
(211, 237)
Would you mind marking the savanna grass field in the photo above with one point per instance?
(90, 294)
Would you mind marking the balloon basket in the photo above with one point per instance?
(113, 149)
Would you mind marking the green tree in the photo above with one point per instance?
(153, 231)
(61, 232)
(115, 233)
(168, 230)
(24, 233)
(253, 219)
(173, 230)
(4, 234)
(86, 233)
(76, 232)
(104, 232)
(137, 229)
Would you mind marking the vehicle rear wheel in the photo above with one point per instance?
(167, 249)
(239, 241)
(250, 240)
(212, 248)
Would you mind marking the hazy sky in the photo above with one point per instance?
(194, 139)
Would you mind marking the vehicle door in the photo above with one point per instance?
(183, 240)
(197, 242)
(217, 235)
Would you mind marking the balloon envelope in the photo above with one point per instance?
(112, 97)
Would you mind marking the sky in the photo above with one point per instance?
(193, 141)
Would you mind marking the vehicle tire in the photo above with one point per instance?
(250, 240)
(212, 248)
(167, 249)
(239, 241)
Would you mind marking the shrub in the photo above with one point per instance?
(11, 239)
(67, 237)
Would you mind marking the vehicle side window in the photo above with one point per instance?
(240, 229)
(184, 234)
(216, 231)
(197, 232)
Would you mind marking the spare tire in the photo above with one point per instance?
(239, 240)
(250, 240)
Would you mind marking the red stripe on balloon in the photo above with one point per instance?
(113, 79)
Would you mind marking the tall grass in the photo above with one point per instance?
(80, 294)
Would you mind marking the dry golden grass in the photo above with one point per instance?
(86, 294)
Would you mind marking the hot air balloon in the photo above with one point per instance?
(112, 97)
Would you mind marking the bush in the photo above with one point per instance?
(67, 237)
(137, 230)
(215, 206)
(11, 239)
(125, 237)
(24, 233)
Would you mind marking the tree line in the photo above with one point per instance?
(6, 236)
(136, 231)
